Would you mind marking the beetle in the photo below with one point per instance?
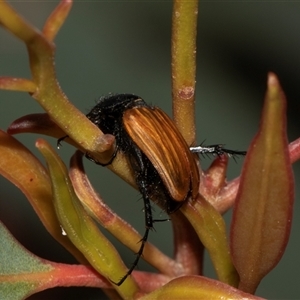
(164, 167)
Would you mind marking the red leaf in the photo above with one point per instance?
(263, 211)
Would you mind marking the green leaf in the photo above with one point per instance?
(197, 287)
(107, 218)
(17, 268)
(210, 227)
(79, 226)
(24, 170)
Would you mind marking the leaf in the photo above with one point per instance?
(119, 228)
(16, 263)
(79, 226)
(17, 84)
(263, 211)
(197, 288)
(47, 90)
(23, 274)
(36, 123)
(24, 170)
(57, 19)
(210, 227)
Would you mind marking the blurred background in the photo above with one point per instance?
(124, 47)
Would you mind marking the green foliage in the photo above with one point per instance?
(19, 269)
(68, 206)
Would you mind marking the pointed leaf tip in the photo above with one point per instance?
(272, 79)
(263, 211)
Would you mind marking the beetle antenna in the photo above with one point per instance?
(216, 150)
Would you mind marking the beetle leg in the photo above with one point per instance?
(89, 157)
(141, 180)
(58, 144)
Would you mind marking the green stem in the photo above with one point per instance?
(184, 31)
